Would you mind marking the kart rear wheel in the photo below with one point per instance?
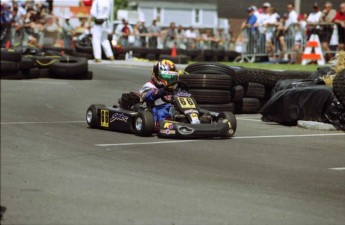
(225, 117)
(144, 124)
(91, 115)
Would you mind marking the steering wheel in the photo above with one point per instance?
(179, 86)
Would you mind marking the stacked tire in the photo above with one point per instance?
(10, 64)
(210, 84)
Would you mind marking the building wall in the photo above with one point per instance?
(237, 9)
(203, 15)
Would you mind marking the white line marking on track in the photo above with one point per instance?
(146, 143)
(245, 137)
(337, 168)
(13, 123)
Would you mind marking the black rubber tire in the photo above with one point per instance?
(83, 49)
(8, 67)
(33, 73)
(207, 81)
(43, 61)
(339, 87)
(94, 123)
(151, 57)
(83, 55)
(230, 117)
(193, 53)
(59, 50)
(89, 75)
(44, 73)
(255, 90)
(10, 55)
(248, 105)
(209, 68)
(267, 77)
(71, 68)
(25, 65)
(148, 124)
(231, 55)
(208, 96)
(230, 107)
(237, 93)
(12, 76)
(180, 59)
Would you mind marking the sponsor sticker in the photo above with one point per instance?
(168, 125)
(119, 117)
(167, 131)
(104, 118)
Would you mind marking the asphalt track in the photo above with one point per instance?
(55, 170)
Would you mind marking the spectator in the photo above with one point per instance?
(339, 19)
(270, 23)
(82, 28)
(28, 26)
(326, 20)
(262, 21)
(180, 38)
(292, 16)
(191, 36)
(67, 32)
(143, 33)
(125, 32)
(100, 11)
(170, 38)
(17, 24)
(280, 33)
(313, 20)
(5, 23)
(251, 29)
(154, 33)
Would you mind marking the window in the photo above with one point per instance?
(197, 16)
(158, 14)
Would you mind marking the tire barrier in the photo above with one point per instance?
(46, 63)
(339, 87)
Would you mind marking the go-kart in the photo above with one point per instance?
(133, 115)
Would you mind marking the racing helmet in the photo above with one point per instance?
(163, 73)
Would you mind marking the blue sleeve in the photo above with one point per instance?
(252, 20)
(152, 95)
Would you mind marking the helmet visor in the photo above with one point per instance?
(168, 76)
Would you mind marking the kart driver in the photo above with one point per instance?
(163, 73)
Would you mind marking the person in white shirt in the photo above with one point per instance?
(191, 36)
(313, 20)
(100, 11)
(292, 16)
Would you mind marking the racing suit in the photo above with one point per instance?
(150, 93)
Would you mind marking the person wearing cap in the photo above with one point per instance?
(313, 20)
(249, 25)
(100, 11)
(326, 22)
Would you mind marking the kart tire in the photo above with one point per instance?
(92, 119)
(229, 116)
(44, 73)
(207, 81)
(26, 64)
(339, 87)
(231, 55)
(180, 59)
(59, 50)
(151, 57)
(43, 61)
(8, 67)
(71, 68)
(209, 68)
(248, 106)
(230, 107)
(207, 96)
(255, 90)
(144, 124)
(10, 55)
(33, 73)
(237, 93)
(268, 78)
(83, 49)
(83, 55)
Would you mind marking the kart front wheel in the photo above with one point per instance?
(225, 117)
(91, 115)
(144, 124)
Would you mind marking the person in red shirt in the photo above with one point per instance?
(339, 19)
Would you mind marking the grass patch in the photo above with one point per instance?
(274, 66)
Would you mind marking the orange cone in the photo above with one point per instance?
(173, 52)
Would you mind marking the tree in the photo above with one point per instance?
(120, 4)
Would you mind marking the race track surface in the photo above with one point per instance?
(56, 170)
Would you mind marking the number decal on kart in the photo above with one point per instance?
(105, 118)
(186, 103)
